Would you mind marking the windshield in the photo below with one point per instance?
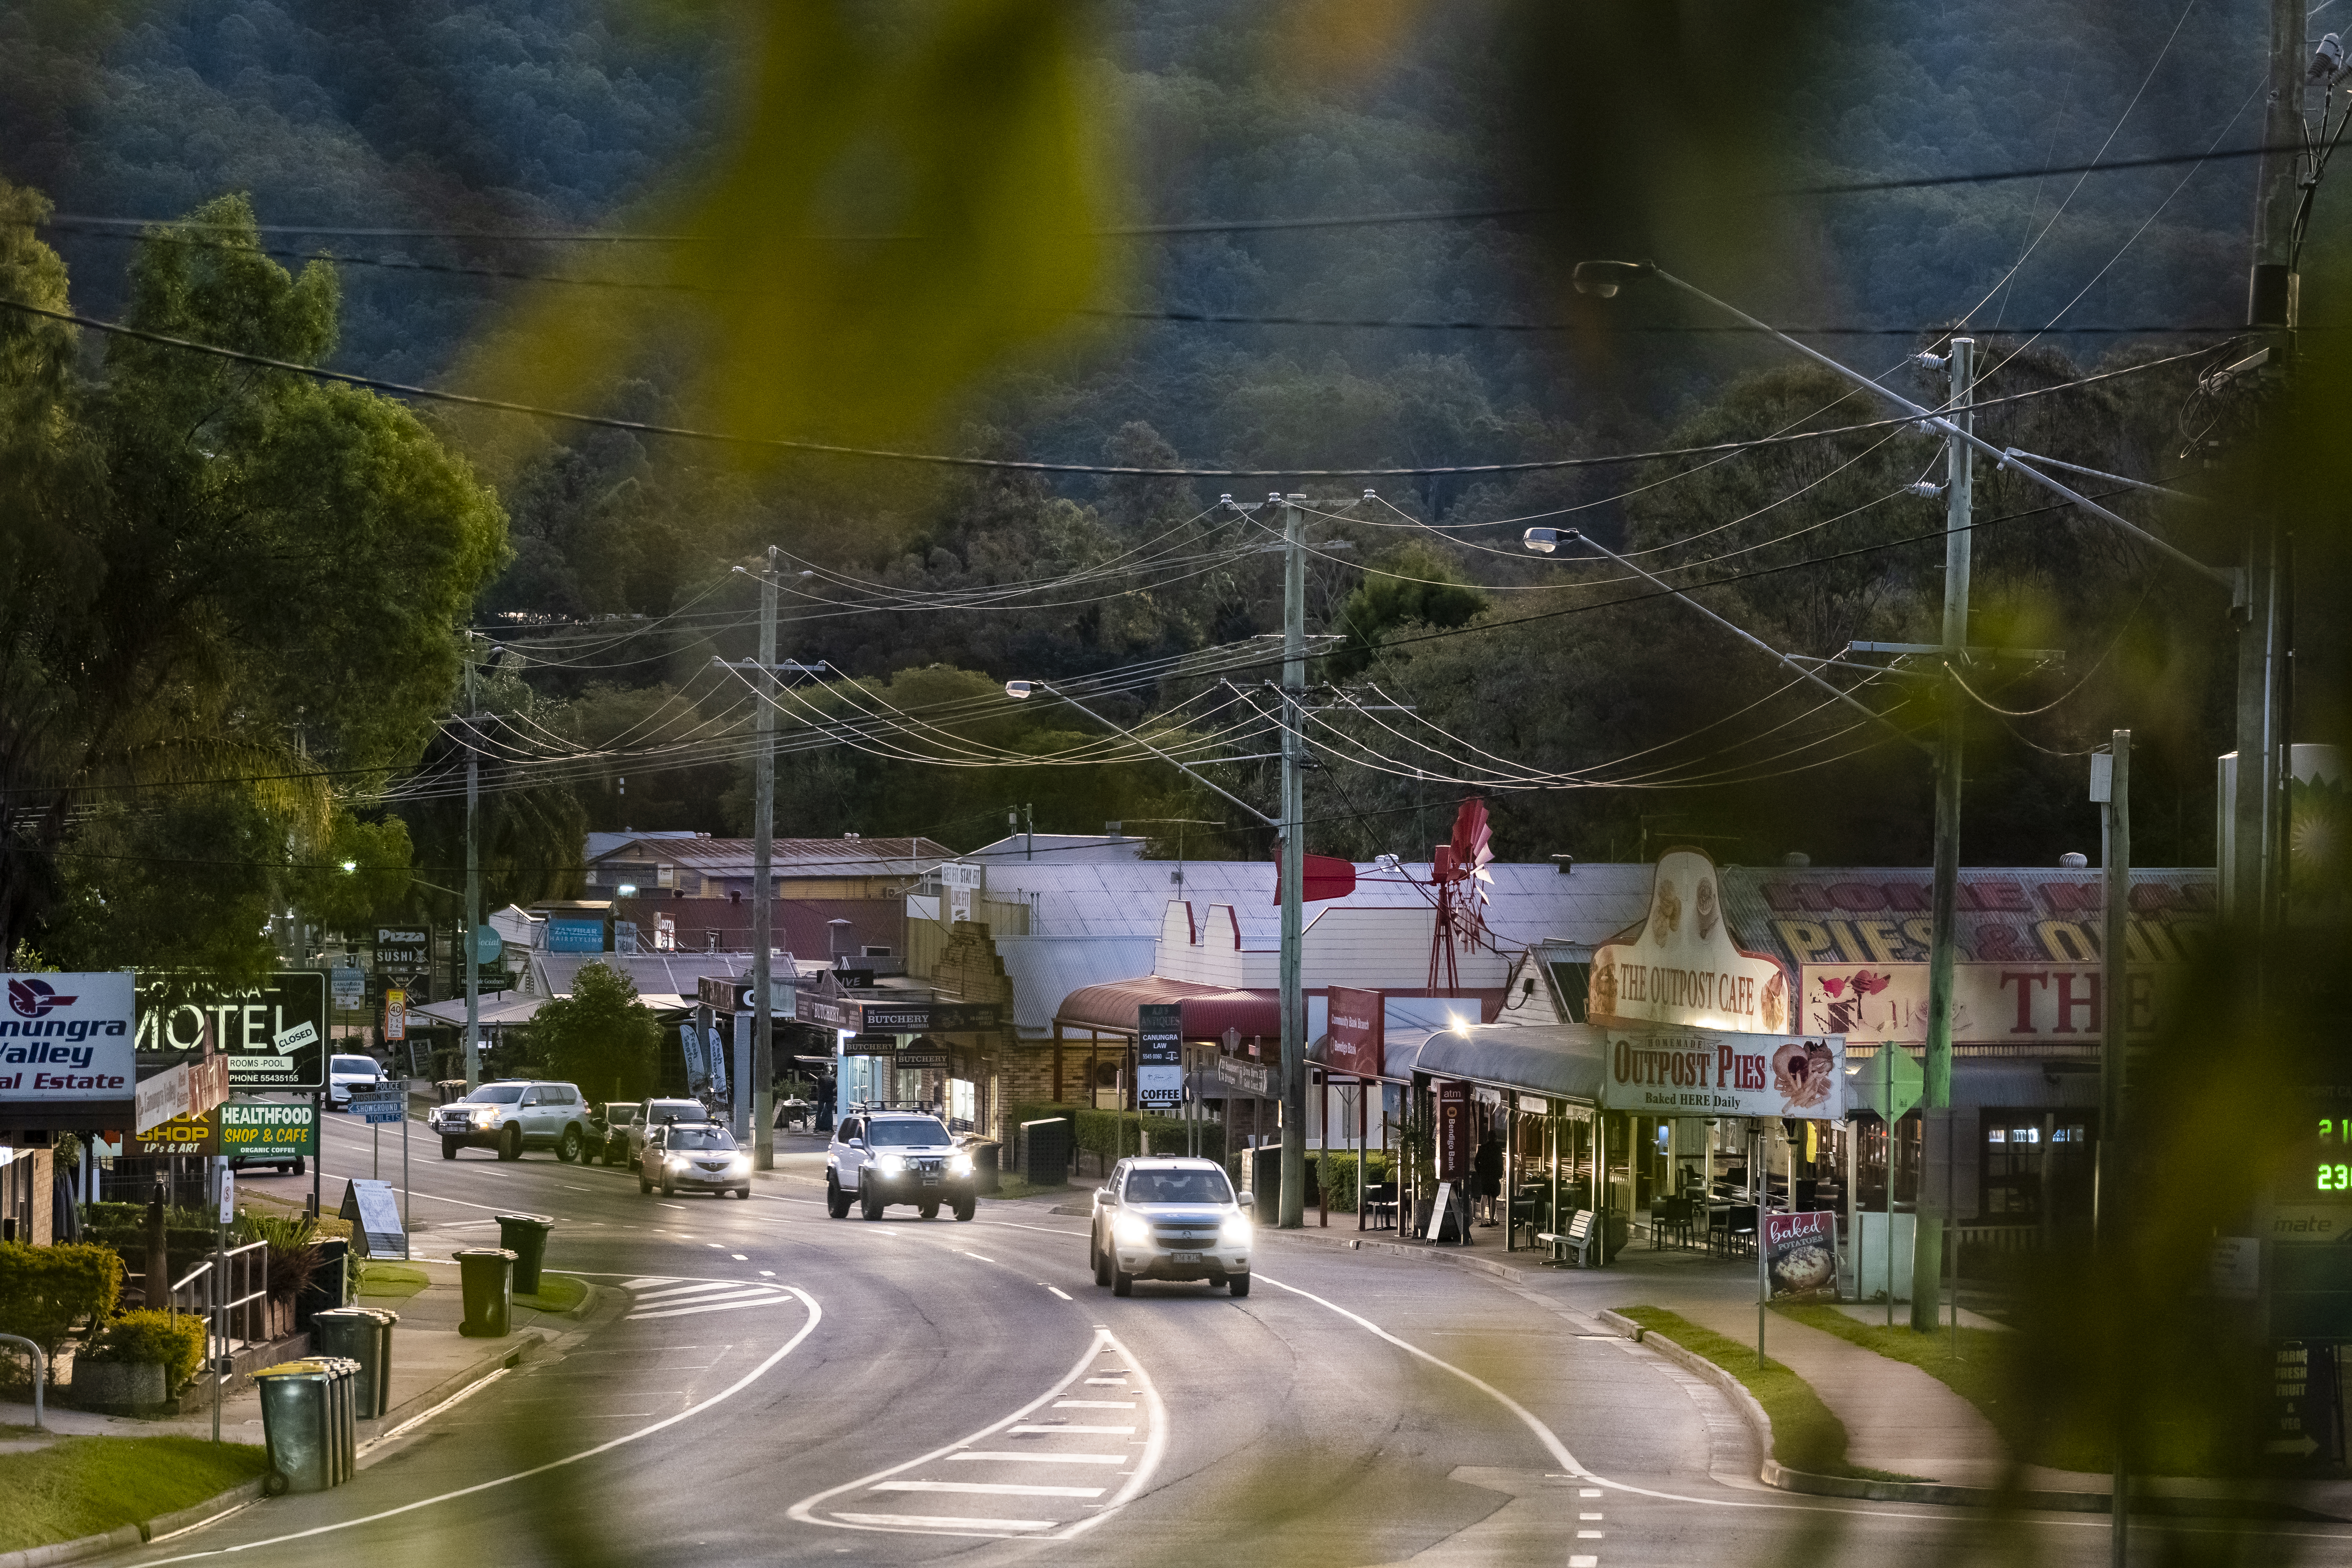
(914, 1130)
(1178, 1187)
(676, 1110)
(497, 1094)
(363, 1066)
(700, 1138)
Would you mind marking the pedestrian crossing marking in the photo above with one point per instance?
(987, 1488)
(1034, 1456)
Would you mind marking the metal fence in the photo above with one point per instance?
(233, 1292)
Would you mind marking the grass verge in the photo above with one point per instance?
(557, 1293)
(394, 1281)
(1806, 1433)
(83, 1486)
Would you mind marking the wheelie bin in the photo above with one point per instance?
(525, 1235)
(307, 1424)
(362, 1334)
(486, 1281)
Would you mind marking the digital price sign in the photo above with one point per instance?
(2331, 1163)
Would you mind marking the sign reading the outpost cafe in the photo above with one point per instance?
(1683, 966)
(1703, 1072)
(67, 1037)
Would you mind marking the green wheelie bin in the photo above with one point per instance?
(486, 1280)
(307, 1424)
(525, 1235)
(362, 1334)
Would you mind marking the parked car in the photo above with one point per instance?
(879, 1158)
(1168, 1219)
(694, 1156)
(346, 1073)
(519, 1114)
(648, 1114)
(608, 1130)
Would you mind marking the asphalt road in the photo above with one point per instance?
(769, 1385)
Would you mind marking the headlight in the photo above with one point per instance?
(739, 1164)
(486, 1116)
(888, 1165)
(1236, 1232)
(676, 1161)
(960, 1165)
(1131, 1230)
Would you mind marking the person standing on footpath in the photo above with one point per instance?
(1488, 1169)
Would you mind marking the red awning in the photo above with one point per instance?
(1208, 1010)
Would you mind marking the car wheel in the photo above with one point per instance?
(642, 1185)
(869, 1204)
(966, 1209)
(836, 1202)
(510, 1144)
(1122, 1283)
(301, 1167)
(569, 1146)
(1102, 1269)
(743, 1195)
(1238, 1284)
(449, 1148)
(928, 1211)
(669, 1188)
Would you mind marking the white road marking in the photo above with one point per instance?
(976, 1255)
(1065, 1295)
(1588, 1516)
(1120, 1382)
(741, 1258)
(1094, 1404)
(764, 1297)
(945, 1522)
(767, 1274)
(1029, 1426)
(987, 1488)
(1584, 1563)
(1037, 1457)
(1588, 1535)
(815, 1316)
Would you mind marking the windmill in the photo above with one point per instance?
(1457, 870)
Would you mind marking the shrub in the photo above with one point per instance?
(1111, 1134)
(294, 1254)
(176, 1344)
(45, 1290)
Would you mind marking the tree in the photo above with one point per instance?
(600, 1036)
(223, 589)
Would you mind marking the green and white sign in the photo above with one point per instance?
(269, 1127)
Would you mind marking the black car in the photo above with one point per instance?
(608, 1132)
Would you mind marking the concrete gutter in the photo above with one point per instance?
(125, 1536)
(1772, 1473)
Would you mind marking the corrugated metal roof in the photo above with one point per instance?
(1045, 969)
(1525, 904)
(789, 857)
(1060, 849)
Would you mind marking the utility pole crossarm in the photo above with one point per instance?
(1942, 426)
(1750, 638)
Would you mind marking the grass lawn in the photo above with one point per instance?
(393, 1280)
(1009, 1186)
(557, 1293)
(82, 1485)
(1806, 1435)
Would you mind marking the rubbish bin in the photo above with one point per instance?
(1265, 1182)
(986, 1177)
(525, 1235)
(362, 1334)
(1045, 1151)
(307, 1424)
(486, 1280)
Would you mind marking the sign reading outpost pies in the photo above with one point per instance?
(68, 1037)
(1700, 1072)
(1683, 964)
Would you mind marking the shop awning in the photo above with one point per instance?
(1209, 1012)
(1562, 1060)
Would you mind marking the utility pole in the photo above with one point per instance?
(2273, 289)
(2111, 1180)
(1936, 1093)
(1293, 1212)
(473, 873)
(764, 906)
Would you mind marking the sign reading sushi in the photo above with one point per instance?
(1682, 965)
(1704, 1072)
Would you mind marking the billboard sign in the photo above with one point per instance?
(402, 949)
(274, 1034)
(1682, 965)
(1159, 1054)
(180, 1135)
(574, 935)
(265, 1127)
(68, 1037)
(1698, 1073)
(1801, 1255)
(1356, 1032)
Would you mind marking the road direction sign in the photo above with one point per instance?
(380, 1107)
(1891, 1083)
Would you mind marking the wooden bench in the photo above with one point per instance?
(1578, 1238)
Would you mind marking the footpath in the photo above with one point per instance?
(432, 1363)
(1898, 1418)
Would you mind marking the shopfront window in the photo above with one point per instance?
(2034, 1164)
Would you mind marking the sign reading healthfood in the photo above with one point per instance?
(68, 1037)
(1682, 965)
(1699, 1072)
(1799, 1255)
(273, 1035)
(266, 1127)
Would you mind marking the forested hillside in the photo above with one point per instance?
(506, 119)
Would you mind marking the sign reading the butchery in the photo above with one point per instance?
(1683, 965)
(1700, 1072)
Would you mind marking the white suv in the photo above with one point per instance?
(1171, 1218)
(513, 1116)
(881, 1157)
(346, 1073)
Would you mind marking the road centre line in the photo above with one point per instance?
(1057, 1291)
(815, 1316)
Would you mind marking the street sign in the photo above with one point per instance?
(1891, 1083)
(380, 1105)
(269, 1127)
(227, 1196)
(395, 1015)
(350, 988)
(1159, 1053)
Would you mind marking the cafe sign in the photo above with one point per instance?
(1682, 965)
(1701, 1072)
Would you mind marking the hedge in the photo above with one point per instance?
(46, 1290)
(175, 1342)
